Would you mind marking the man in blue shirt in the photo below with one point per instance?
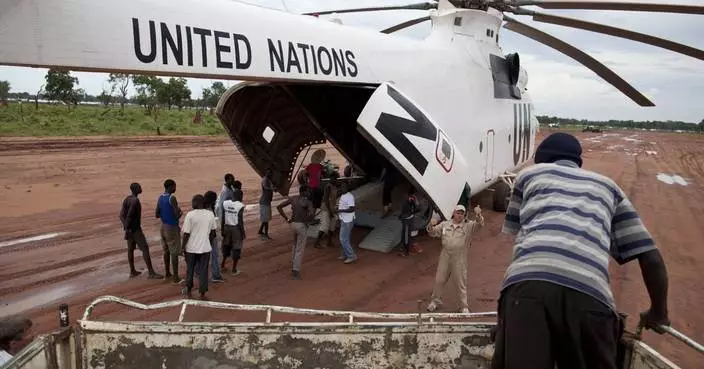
(168, 211)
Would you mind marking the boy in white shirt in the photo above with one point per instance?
(345, 209)
(232, 229)
(198, 233)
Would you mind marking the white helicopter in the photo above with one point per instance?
(451, 112)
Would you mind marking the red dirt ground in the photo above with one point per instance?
(76, 186)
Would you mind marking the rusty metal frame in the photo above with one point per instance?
(351, 316)
(674, 333)
(509, 178)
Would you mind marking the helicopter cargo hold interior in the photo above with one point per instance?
(273, 124)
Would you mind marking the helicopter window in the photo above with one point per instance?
(481, 146)
(458, 21)
(268, 134)
(488, 32)
(446, 149)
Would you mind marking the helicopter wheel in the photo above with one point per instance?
(501, 197)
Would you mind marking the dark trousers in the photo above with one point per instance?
(542, 324)
(316, 197)
(197, 263)
(406, 234)
(386, 193)
(136, 239)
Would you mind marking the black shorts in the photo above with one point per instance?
(542, 323)
(136, 239)
(231, 242)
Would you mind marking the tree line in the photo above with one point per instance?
(651, 124)
(152, 92)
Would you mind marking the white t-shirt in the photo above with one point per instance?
(198, 223)
(346, 201)
(232, 211)
(4, 357)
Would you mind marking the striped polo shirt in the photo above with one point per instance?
(568, 221)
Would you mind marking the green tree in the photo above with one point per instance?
(59, 86)
(205, 98)
(121, 82)
(218, 89)
(4, 90)
(177, 92)
(150, 90)
(106, 97)
(212, 95)
(79, 95)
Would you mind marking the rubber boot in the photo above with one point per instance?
(330, 238)
(167, 270)
(174, 266)
(317, 240)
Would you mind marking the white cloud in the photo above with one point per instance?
(557, 84)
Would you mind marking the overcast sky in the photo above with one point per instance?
(558, 85)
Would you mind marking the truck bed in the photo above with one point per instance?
(335, 339)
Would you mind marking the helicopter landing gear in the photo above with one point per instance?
(502, 191)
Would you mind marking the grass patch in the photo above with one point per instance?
(89, 120)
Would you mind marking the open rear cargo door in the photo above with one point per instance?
(406, 134)
(269, 128)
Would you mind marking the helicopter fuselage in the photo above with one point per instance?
(472, 96)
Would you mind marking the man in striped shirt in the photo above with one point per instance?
(556, 305)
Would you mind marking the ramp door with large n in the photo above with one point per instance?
(419, 148)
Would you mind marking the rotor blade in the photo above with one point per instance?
(607, 74)
(417, 6)
(405, 24)
(613, 5)
(614, 31)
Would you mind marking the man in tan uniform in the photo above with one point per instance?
(456, 235)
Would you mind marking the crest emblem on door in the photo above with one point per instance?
(444, 152)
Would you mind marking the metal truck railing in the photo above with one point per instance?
(360, 340)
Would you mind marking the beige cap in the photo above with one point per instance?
(460, 207)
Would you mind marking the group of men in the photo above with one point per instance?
(555, 304)
(196, 240)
